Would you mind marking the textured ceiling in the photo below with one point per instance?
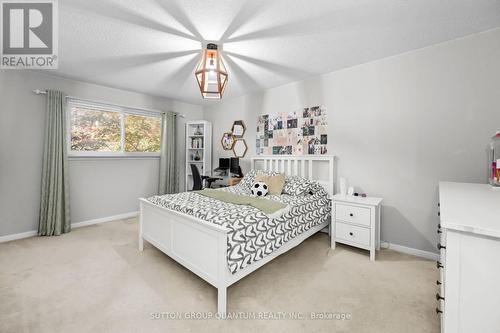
(152, 46)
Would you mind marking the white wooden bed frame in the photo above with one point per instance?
(174, 233)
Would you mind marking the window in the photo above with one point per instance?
(142, 133)
(104, 130)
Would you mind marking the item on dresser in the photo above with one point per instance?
(343, 186)
(468, 297)
(494, 160)
(356, 222)
(350, 190)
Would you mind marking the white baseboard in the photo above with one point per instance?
(8, 238)
(105, 219)
(410, 250)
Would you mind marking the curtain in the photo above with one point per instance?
(168, 163)
(54, 201)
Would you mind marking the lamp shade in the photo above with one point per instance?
(211, 73)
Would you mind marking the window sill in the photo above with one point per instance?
(114, 157)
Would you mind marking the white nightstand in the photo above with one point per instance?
(356, 222)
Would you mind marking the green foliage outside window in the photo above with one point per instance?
(142, 133)
(93, 129)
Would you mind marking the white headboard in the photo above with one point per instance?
(320, 168)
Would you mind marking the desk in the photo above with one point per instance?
(233, 181)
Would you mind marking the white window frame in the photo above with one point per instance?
(123, 111)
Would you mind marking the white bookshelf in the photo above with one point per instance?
(199, 145)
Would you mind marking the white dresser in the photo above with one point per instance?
(469, 285)
(356, 222)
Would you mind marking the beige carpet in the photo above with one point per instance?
(95, 280)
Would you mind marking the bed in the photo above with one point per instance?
(231, 241)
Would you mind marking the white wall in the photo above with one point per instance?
(398, 126)
(98, 187)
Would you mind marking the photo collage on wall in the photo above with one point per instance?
(301, 132)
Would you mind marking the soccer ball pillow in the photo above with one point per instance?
(259, 189)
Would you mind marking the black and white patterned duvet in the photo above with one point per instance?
(253, 235)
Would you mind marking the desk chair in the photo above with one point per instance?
(198, 179)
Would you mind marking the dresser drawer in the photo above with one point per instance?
(352, 214)
(352, 233)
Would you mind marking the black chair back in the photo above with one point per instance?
(197, 182)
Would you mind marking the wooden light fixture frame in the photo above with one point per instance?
(211, 52)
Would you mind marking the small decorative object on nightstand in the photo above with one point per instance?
(356, 222)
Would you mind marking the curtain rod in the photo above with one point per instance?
(44, 92)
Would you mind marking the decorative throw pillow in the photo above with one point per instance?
(274, 182)
(259, 189)
(295, 185)
(317, 189)
(249, 179)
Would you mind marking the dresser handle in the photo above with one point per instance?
(439, 213)
(441, 246)
(439, 231)
(438, 311)
(438, 283)
(438, 264)
(351, 214)
(351, 234)
(439, 297)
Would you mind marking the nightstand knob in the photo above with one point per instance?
(351, 214)
(438, 264)
(351, 234)
(439, 246)
(438, 311)
(439, 297)
(438, 283)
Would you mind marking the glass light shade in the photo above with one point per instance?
(211, 73)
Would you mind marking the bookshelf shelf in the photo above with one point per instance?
(198, 143)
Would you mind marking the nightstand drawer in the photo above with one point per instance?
(352, 214)
(352, 233)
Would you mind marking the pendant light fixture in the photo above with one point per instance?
(211, 73)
